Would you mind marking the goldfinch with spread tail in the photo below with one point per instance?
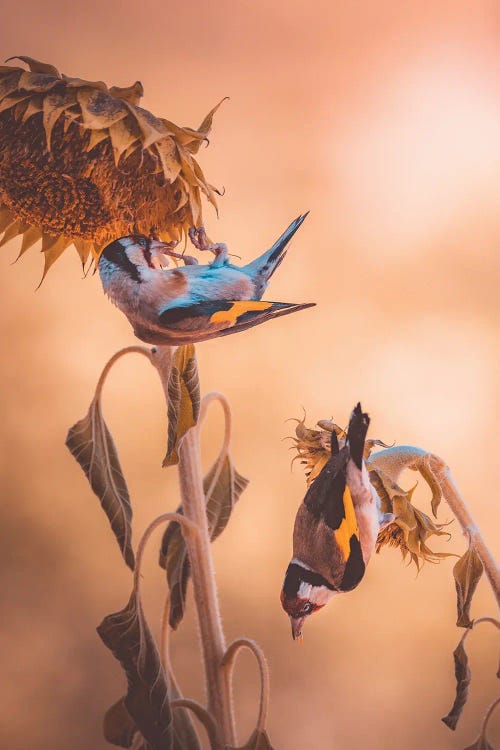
(194, 302)
(335, 530)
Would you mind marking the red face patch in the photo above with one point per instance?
(298, 607)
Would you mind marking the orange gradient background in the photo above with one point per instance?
(383, 120)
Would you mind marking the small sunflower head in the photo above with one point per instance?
(412, 527)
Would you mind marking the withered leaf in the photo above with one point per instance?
(91, 443)
(36, 66)
(258, 741)
(183, 399)
(131, 94)
(99, 109)
(480, 744)
(120, 728)
(223, 486)
(463, 678)
(127, 635)
(467, 572)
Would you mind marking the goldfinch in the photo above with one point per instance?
(335, 530)
(194, 302)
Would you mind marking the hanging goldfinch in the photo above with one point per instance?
(194, 302)
(336, 528)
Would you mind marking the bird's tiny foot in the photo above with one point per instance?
(198, 237)
(385, 519)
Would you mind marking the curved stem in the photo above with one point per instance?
(224, 451)
(228, 663)
(488, 716)
(189, 528)
(464, 517)
(165, 639)
(205, 403)
(202, 715)
(116, 356)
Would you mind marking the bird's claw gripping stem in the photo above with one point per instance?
(198, 237)
(189, 260)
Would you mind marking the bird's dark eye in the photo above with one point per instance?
(306, 609)
(142, 242)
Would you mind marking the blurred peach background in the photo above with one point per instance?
(383, 120)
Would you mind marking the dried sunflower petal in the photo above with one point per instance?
(113, 167)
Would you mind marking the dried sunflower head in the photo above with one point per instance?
(411, 528)
(83, 163)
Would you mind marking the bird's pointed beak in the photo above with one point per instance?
(157, 246)
(296, 623)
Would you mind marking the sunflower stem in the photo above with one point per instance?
(213, 644)
(459, 508)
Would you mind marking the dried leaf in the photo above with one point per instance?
(169, 158)
(100, 109)
(183, 399)
(463, 678)
(122, 137)
(30, 237)
(467, 572)
(18, 227)
(258, 741)
(36, 66)
(223, 486)
(91, 443)
(8, 83)
(35, 105)
(127, 635)
(52, 248)
(480, 744)
(54, 104)
(152, 128)
(131, 94)
(37, 82)
(118, 726)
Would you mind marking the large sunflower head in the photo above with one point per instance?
(82, 163)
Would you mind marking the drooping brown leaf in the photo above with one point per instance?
(480, 744)
(183, 399)
(223, 486)
(467, 572)
(463, 678)
(91, 443)
(258, 741)
(118, 726)
(127, 635)
(120, 729)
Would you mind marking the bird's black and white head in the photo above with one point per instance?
(304, 592)
(128, 256)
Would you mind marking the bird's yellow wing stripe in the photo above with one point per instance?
(348, 527)
(237, 309)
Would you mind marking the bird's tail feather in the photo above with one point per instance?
(356, 434)
(266, 264)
